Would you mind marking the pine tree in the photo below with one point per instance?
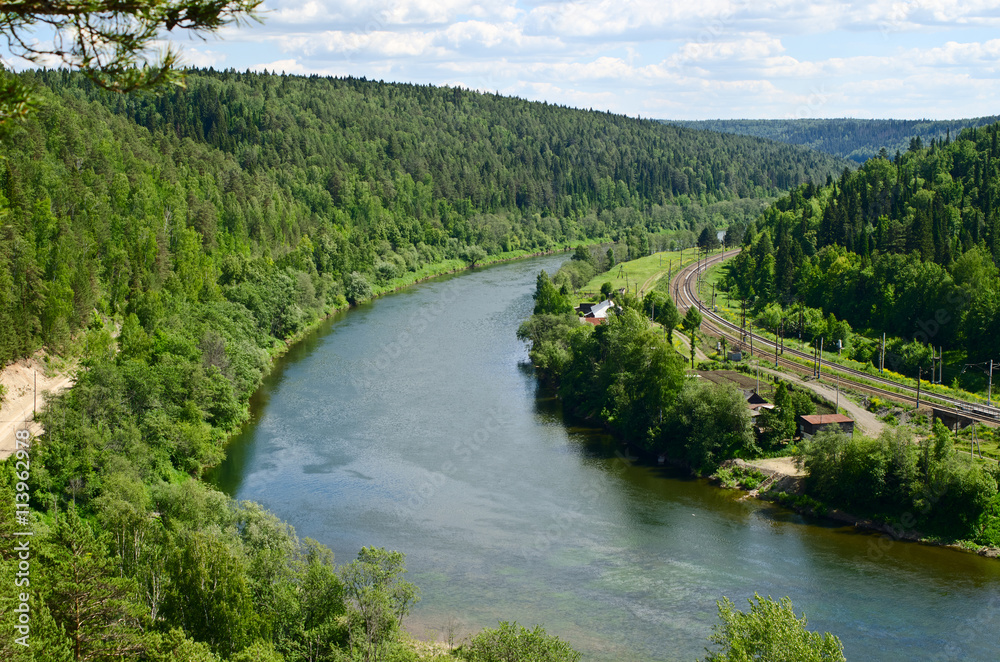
(84, 594)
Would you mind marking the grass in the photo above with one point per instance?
(988, 444)
(637, 275)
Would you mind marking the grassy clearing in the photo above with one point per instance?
(638, 275)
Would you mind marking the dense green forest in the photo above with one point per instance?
(175, 242)
(324, 178)
(854, 139)
(907, 246)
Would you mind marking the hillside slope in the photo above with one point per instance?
(854, 139)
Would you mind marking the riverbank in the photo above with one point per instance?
(423, 274)
(784, 484)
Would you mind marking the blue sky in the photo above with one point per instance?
(690, 59)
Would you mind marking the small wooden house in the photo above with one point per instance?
(814, 423)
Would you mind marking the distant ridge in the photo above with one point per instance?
(854, 139)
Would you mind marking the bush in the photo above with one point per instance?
(511, 642)
(740, 477)
(357, 288)
(770, 632)
(709, 423)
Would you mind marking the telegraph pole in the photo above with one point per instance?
(776, 349)
(920, 371)
(881, 359)
(819, 362)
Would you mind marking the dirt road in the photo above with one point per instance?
(24, 380)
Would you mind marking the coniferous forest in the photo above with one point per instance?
(908, 246)
(175, 241)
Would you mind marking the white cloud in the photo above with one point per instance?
(278, 66)
(713, 58)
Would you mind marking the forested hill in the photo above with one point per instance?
(118, 193)
(854, 139)
(909, 246)
(498, 153)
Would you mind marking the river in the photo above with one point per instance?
(414, 424)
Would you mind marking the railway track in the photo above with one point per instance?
(684, 287)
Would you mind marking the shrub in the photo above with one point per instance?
(770, 632)
(511, 642)
(357, 288)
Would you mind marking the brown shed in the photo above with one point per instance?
(816, 422)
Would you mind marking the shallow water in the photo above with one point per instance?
(413, 423)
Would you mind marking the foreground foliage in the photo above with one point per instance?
(510, 642)
(769, 632)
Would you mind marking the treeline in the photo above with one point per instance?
(854, 139)
(907, 246)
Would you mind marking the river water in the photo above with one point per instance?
(414, 424)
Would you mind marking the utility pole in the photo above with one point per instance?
(920, 371)
(881, 359)
(750, 328)
(776, 348)
(743, 319)
(989, 391)
(819, 362)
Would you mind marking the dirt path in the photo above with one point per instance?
(19, 404)
(864, 419)
(783, 465)
(684, 340)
